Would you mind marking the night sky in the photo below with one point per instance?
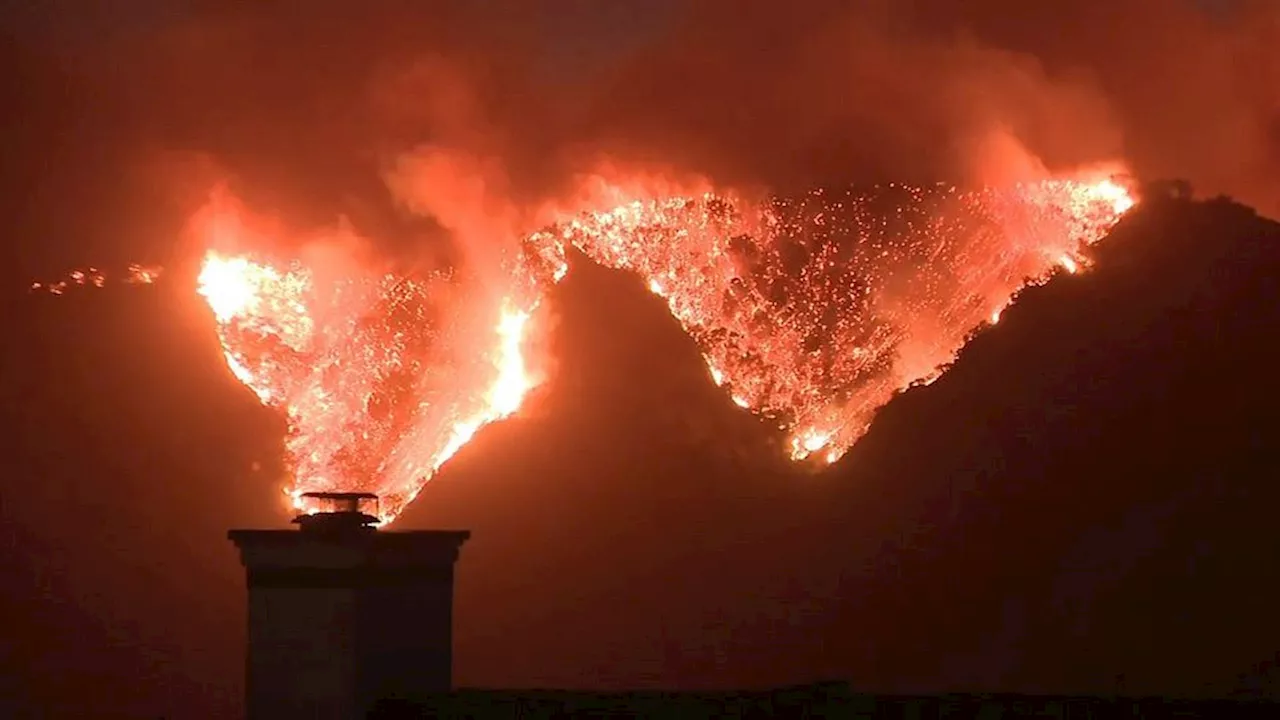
(1083, 503)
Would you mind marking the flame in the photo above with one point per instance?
(382, 378)
(134, 274)
(508, 390)
(812, 312)
(815, 311)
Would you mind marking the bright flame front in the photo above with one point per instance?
(816, 311)
(812, 311)
(382, 379)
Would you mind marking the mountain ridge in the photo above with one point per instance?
(1021, 523)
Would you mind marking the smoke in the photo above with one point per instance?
(1193, 87)
(477, 121)
(837, 95)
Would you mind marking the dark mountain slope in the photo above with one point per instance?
(127, 452)
(1091, 480)
(1101, 456)
(1097, 456)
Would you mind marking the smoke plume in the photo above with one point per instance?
(479, 120)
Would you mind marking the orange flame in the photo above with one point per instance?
(813, 312)
(816, 311)
(382, 379)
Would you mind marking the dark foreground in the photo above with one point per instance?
(823, 700)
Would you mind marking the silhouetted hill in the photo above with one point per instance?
(1086, 493)
(128, 452)
(1096, 457)
(1094, 474)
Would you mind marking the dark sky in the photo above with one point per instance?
(572, 37)
(68, 23)
(306, 102)
(1083, 497)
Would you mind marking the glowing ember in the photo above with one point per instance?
(382, 378)
(816, 311)
(812, 311)
(93, 277)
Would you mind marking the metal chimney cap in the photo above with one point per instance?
(338, 511)
(339, 496)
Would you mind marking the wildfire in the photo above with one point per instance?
(812, 311)
(382, 378)
(93, 277)
(815, 311)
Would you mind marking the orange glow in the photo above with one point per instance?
(135, 274)
(382, 378)
(815, 311)
(812, 312)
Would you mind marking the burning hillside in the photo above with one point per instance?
(816, 311)
(812, 312)
(382, 377)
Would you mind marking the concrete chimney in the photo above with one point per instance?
(342, 615)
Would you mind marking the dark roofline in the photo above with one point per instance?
(826, 699)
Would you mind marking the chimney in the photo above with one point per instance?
(342, 614)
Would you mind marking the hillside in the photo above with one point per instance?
(1088, 487)
(1097, 457)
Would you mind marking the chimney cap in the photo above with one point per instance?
(337, 511)
(339, 495)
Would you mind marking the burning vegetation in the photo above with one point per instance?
(810, 311)
(814, 311)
